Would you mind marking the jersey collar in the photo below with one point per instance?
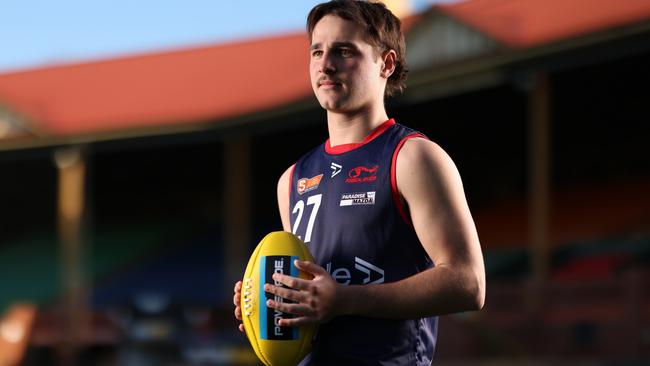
(340, 149)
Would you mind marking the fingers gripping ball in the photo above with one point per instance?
(273, 344)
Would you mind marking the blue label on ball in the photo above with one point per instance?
(269, 318)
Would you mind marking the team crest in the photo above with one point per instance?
(308, 184)
(362, 174)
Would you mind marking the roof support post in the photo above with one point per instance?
(71, 165)
(539, 179)
(236, 206)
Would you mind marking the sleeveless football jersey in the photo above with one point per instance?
(344, 205)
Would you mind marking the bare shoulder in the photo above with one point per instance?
(284, 181)
(283, 196)
(420, 159)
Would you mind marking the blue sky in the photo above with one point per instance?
(35, 33)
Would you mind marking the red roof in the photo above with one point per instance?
(229, 80)
(525, 23)
(160, 89)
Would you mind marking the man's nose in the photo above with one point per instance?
(327, 65)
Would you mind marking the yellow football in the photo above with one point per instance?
(273, 344)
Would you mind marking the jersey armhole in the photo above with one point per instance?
(393, 178)
(291, 183)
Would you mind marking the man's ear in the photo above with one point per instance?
(389, 59)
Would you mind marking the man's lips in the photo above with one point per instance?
(328, 83)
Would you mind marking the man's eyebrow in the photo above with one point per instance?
(344, 44)
(335, 45)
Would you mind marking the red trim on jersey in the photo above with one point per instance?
(290, 184)
(393, 177)
(340, 149)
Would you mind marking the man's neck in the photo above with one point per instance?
(350, 129)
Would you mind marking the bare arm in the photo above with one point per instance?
(283, 198)
(432, 189)
(431, 186)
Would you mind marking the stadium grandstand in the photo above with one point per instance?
(135, 188)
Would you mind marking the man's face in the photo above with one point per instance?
(345, 69)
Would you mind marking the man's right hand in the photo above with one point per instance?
(236, 299)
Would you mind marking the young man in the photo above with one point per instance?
(381, 207)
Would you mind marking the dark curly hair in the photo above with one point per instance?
(383, 32)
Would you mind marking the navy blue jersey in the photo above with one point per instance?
(344, 205)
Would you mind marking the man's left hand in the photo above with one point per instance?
(316, 300)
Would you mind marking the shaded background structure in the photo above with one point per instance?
(134, 188)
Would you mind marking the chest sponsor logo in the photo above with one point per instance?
(362, 174)
(308, 184)
(370, 274)
(359, 198)
(336, 169)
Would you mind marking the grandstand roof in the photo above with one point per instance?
(208, 84)
(159, 89)
(527, 23)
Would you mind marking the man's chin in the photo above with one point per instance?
(330, 106)
(334, 105)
